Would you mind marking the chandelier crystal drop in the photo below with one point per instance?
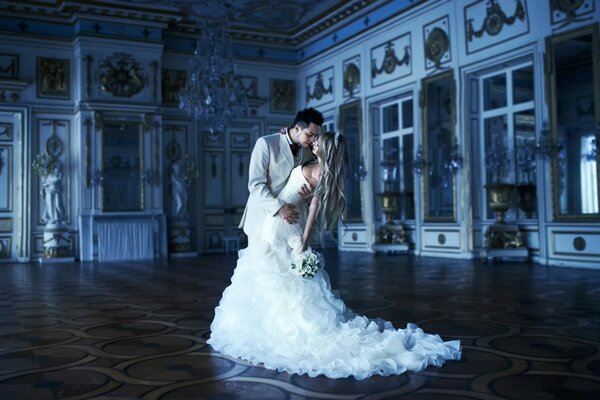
(214, 94)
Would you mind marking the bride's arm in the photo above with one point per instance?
(310, 221)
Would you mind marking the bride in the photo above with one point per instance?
(269, 315)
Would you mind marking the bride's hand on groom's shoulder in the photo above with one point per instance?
(306, 192)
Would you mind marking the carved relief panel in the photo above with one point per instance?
(172, 82)
(53, 80)
(319, 88)
(121, 75)
(283, 96)
(391, 60)
(491, 22)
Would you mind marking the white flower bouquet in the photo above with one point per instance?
(306, 264)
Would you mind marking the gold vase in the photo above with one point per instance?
(527, 198)
(499, 199)
(389, 205)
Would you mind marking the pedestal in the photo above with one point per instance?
(56, 244)
(391, 239)
(504, 241)
(180, 239)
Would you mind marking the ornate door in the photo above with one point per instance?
(224, 170)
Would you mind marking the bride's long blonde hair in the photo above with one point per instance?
(333, 163)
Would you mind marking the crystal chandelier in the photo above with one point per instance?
(213, 95)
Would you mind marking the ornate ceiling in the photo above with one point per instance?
(273, 21)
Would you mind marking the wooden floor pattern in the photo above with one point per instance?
(137, 330)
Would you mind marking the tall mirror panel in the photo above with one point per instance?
(350, 127)
(438, 145)
(574, 125)
(122, 166)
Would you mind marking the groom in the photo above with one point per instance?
(273, 158)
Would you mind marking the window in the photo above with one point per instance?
(508, 121)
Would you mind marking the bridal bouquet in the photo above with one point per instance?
(306, 264)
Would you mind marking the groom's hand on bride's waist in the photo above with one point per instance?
(288, 213)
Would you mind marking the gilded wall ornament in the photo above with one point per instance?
(53, 78)
(390, 60)
(6, 132)
(121, 75)
(173, 150)
(319, 90)
(172, 83)
(495, 20)
(283, 96)
(54, 146)
(9, 66)
(436, 45)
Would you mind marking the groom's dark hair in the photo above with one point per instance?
(307, 116)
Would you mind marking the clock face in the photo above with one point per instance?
(493, 24)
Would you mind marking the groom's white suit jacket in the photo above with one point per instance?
(271, 163)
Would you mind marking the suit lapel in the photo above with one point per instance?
(284, 147)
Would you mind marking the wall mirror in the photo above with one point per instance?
(122, 166)
(438, 143)
(351, 127)
(573, 80)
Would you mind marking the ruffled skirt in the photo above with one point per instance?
(270, 316)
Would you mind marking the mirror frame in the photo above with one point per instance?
(425, 144)
(342, 129)
(551, 97)
(138, 123)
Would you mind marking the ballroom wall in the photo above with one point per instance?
(96, 87)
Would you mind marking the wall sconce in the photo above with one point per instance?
(361, 174)
(544, 147)
(455, 160)
(419, 162)
(591, 155)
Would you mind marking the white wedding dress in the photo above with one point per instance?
(270, 316)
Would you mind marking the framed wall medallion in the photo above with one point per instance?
(282, 96)
(565, 12)
(53, 79)
(352, 77)
(437, 43)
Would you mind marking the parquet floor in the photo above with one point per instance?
(137, 330)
